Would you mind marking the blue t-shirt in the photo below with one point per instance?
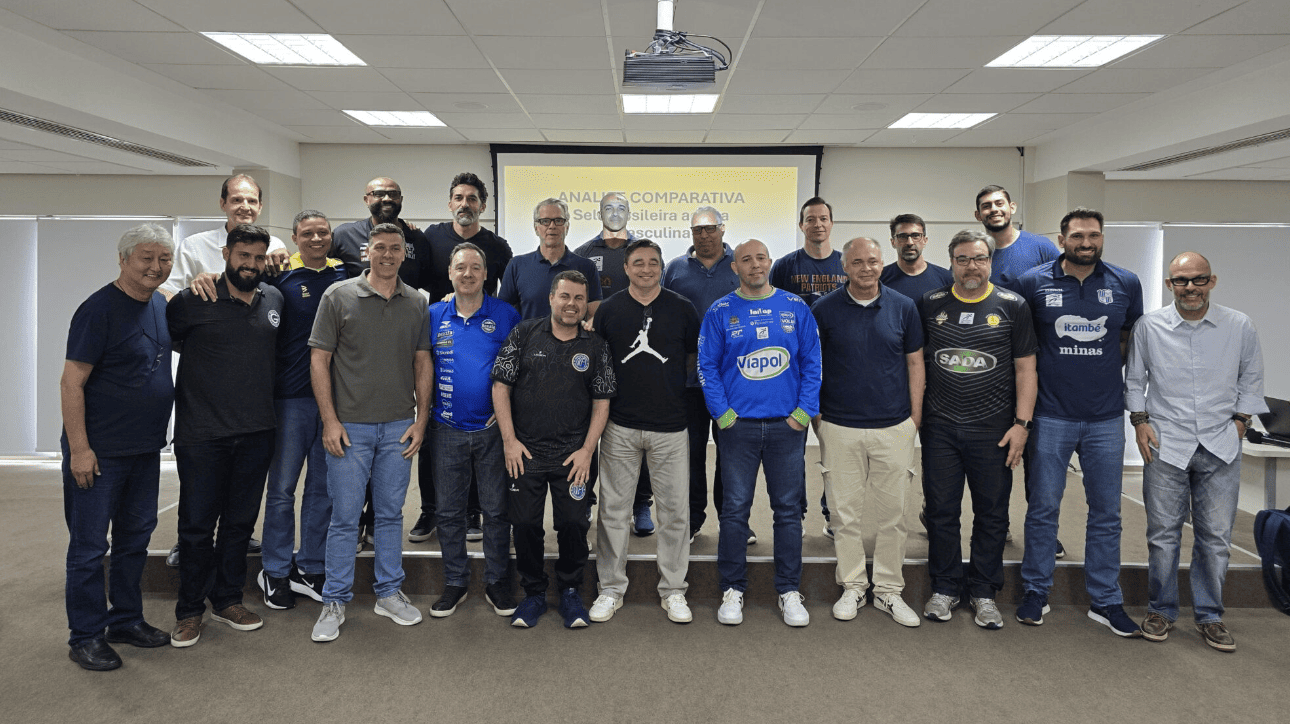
(130, 391)
(464, 351)
(1026, 253)
(933, 278)
(1078, 327)
(688, 277)
(302, 290)
(526, 283)
(759, 358)
(866, 382)
(809, 278)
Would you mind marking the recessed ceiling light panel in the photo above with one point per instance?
(703, 103)
(942, 120)
(287, 48)
(1070, 51)
(400, 119)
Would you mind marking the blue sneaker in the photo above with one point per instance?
(529, 611)
(642, 525)
(1032, 609)
(572, 610)
(1114, 618)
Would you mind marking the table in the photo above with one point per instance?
(1270, 455)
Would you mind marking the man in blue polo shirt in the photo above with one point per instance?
(526, 283)
(1083, 309)
(466, 333)
(871, 404)
(911, 274)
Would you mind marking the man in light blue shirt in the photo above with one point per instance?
(1194, 379)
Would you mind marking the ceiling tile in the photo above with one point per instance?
(469, 80)
(982, 137)
(1016, 80)
(339, 134)
(97, 15)
(332, 79)
(243, 16)
(569, 104)
(973, 53)
(568, 136)
(531, 19)
(1035, 121)
(904, 80)
(224, 77)
(1249, 18)
(851, 121)
(769, 103)
(847, 104)
(565, 82)
(176, 48)
(538, 53)
(415, 51)
(1079, 102)
(944, 18)
(830, 138)
(1202, 51)
(503, 135)
(800, 54)
(485, 120)
(412, 17)
(468, 102)
(266, 100)
(975, 102)
(749, 137)
(762, 82)
(323, 117)
(750, 122)
(1133, 80)
(365, 101)
(910, 137)
(635, 20)
(578, 121)
(831, 18)
(643, 136)
(1144, 17)
(699, 121)
(422, 135)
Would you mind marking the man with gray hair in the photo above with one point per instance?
(116, 397)
(979, 357)
(526, 283)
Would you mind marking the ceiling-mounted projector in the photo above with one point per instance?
(672, 61)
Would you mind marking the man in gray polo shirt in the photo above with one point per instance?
(371, 353)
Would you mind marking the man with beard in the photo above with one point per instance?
(1083, 309)
(224, 430)
(980, 365)
(911, 274)
(1193, 381)
(1015, 251)
(384, 201)
(530, 277)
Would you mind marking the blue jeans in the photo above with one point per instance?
(458, 453)
(780, 451)
(376, 455)
(299, 438)
(1209, 488)
(124, 496)
(1100, 446)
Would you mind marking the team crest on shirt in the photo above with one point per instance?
(786, 321)
(993, 320)
(734, 321)
(581, 362)
(488, 325)
(942, 318)
(1105, 296)
(577, 491)
(274, 317)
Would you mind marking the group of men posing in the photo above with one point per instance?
(610, 363)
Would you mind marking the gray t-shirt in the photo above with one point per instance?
(373, 342)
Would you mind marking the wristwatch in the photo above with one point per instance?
(1025, 424)
(1243, 418)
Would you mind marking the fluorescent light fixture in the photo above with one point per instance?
(1070, 51)
(703, 103)
(941, 120)
(402, 119)
(287, 48)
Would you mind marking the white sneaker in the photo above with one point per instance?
(849, 605)
(795, 614)
(398, 609)
(604, 606)
(732, 607)
(893, 604)
(677, 609)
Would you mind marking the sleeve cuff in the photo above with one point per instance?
(800, 415)
(727, 419)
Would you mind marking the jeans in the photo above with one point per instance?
(570, 507)
(780, 451)
(951, 452)
(1100, 446)
(124, 497)
(221, 483)
(1209, 488)
(459, 457)
(698, 424)
(299, 438)
(375, 456)
(426, 486)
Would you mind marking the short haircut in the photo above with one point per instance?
(1079, 212)
(992, 188)
(968, 236)
(223, 191)
(846, 248)
(386, 228)
(564, 208)
(144, 234)
(907, 219)
(639, 244)
(467, 246)
(247, 234)
(305, 216)
(709, 210)
(570, 275)
(813, 201)
(469, 179)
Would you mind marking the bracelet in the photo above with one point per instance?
(1137, 418)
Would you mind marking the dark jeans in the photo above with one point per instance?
(949, 454)
(569, 507)
(429, 495)
(460, 458)
(221, 483)
(698, 424)
(123, 496)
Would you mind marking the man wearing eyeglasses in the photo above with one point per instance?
(526, 283)
(383, 198)
(980, 364)
(911, 274)
(1083, 309)
(1193, 381)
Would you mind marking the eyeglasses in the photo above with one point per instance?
(710, 229)
(385, 194)
(1201, 280)
(557, 221)
(978, 260)
(915, 236)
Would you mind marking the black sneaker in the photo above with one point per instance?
(172, 558)
(307, 584)
(254, 546)
(277, 591)
(474, 528)
(447, 603)
(423, 529)
(499, 597)
(1061, 552)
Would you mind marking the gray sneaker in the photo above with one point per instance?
(329, 621)
(987, 613)
(398, 609)
(940, 607)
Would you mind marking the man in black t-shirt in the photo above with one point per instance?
(653, 336)
(981, 384)
(551, 387)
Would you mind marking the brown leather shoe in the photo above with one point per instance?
(187, 631)
(238, 617)
(1216, 635)
(1156, 627)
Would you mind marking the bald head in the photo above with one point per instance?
(384, 200)
(752, 266)
(1191, 279)
(1191, 259)
(862, 241)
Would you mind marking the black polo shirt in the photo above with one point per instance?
(443, 239)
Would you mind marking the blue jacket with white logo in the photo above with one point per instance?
(760, 358)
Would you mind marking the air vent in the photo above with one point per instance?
(42, 124)
(1211, 151)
